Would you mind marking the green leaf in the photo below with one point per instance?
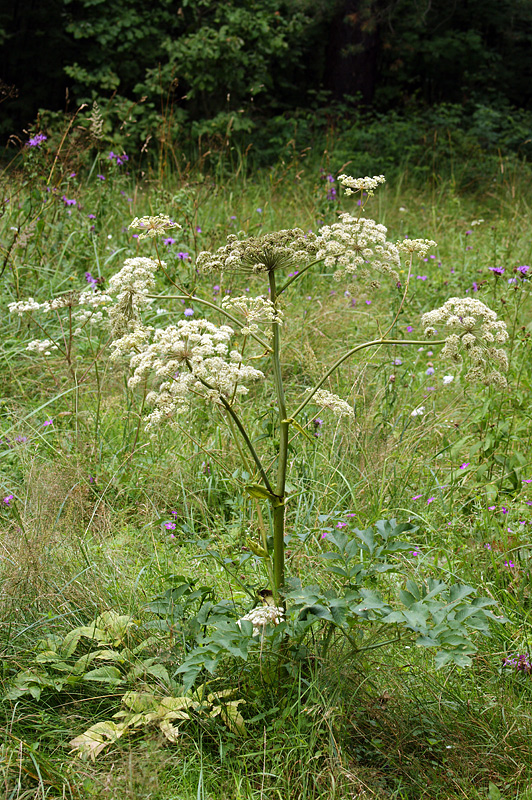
(107, 674)
(258, 491)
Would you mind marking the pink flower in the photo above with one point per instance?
(465, 464)
(430, 500)
(8, 499)
(417, 496)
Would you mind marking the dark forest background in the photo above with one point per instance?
(269, 71)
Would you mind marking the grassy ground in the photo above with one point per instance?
(86, 529)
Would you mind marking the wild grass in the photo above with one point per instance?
(84, 531)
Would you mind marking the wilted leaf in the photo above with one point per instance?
(96, 738)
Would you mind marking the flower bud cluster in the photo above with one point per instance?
(366, 184)
(358, 245)
(262, 616)
(255, 310)
(331, 401)
(260, 254)
(475, 330)
(151, 227)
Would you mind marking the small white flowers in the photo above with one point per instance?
(262, 616)
(191, 359)
(475, 329)
(153, 226)
(418, 412)
(358, 246)
(447, 379)
(331, 401)
(44, 346)
(255, 310)
(366, 184)
(419, 246)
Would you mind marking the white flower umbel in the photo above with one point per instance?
(331, 401)
(284, 249)
(68, 300)
(358, 246)
(254, 310)
(475, 329)
(366, 184)
(191, 359)
(44, 346)
(131, 285)
(418, 412)
(153, 226)
(419, 246)
(262, 616)
(136, 276)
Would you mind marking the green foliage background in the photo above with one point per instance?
(268, 71)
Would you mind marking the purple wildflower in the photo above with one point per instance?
(36, 140)
(91, 280)
(7, 500)
(68, 202)
(169, 241)
(183, 256)
(188, 312)
(497, 270)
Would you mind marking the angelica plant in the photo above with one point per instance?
(199, 361)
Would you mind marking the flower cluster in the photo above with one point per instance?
(192, 358)
(44, 346)
(356, 246)
(366, 184)
(331, 401)
(36, 140)
(520, 662)
(153, 226)
(284, 249)
(419, 246)
(131, 285)
(262, 616)
(475, 330)
(255, 310)
(30, 305)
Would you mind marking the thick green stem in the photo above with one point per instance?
(278, 508)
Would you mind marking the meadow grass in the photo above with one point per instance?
(84, 531)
